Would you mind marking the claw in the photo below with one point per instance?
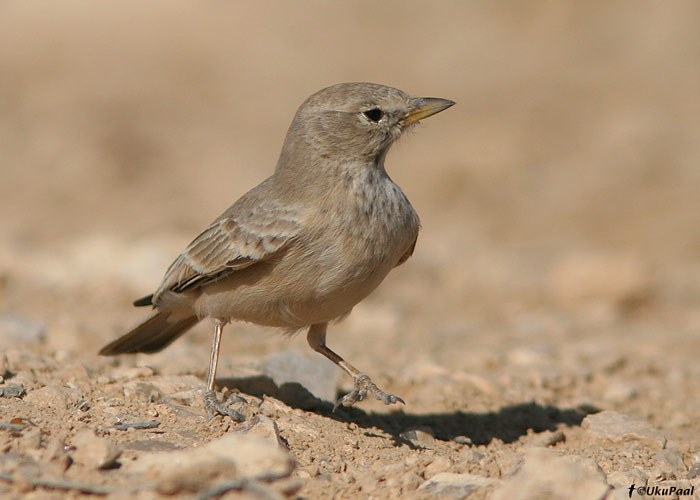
(215, 407)
(363, 385)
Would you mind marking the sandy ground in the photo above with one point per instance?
(544, 336)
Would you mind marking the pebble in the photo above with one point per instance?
(549, 438)
(456, 486)
(420, 437)
(233, 455)
(617, 427)
(11, 391)
(94, 451)
(52, 396)
(462, 440)
(545, 474)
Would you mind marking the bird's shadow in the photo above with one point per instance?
(507, 424)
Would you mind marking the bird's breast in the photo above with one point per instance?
(366, 232)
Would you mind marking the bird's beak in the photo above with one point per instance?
(425, 107)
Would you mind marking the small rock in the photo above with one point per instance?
(315, 373)
(420, 437)
(439, 464)
(52, 396)
(265, 427)
(94, 451)
(11, 391)
(549, 438)
(546, 475)
(617, 427)
(455, 486)
(16, 330)
(462, 440)
(232, 455)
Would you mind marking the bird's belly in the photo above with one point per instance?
(319, 279)
(293, 296)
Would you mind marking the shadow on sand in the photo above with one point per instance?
(507, 424)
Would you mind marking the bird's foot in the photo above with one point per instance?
(215, 407)
(364, 385)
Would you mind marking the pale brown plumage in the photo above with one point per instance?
(308, 243)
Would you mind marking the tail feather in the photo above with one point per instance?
(154, 333)
(144, 301)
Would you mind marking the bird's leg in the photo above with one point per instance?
(211, 402)
(363, 384)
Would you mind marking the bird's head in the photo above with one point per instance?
(352, 121)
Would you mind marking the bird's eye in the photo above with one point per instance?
(374, 114)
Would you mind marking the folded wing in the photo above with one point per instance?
(245, 234)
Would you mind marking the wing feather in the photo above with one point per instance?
(241, 237)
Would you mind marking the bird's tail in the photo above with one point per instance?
(154, 333)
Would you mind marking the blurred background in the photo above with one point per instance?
(558, 198)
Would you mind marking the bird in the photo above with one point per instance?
(303, 247)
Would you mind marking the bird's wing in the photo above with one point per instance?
(244, 235)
